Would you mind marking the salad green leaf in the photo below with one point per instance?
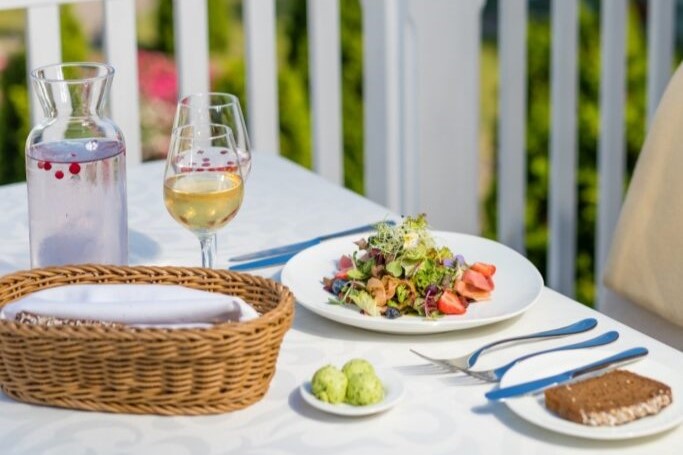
(395, 268)
(428, 273)
(365, 302)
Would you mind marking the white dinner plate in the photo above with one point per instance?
(393, 392)
(518, 285)
(532, 407)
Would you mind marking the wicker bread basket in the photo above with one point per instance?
(144, 371)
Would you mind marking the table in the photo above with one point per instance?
(285, 203)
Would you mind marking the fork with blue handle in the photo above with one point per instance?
(495, 374)
(467, 361)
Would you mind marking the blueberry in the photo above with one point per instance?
(337, 286)
(392, 313)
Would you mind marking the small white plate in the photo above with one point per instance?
(393, 393)
(518, 285)
(532, 408)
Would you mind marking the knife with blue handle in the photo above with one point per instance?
(263, 263)
(283, 251)
(541, 384)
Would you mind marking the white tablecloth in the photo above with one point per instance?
(283, 204)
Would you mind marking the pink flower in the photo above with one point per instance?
(158, 78)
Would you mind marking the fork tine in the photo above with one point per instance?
(481, 375)
(443, 363)
(444, 368)
(429, 359)
(438, 362)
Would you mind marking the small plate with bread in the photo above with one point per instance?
(636, 400)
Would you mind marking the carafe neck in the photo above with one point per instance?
(73, 89)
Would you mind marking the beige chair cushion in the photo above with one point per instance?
(645, 264)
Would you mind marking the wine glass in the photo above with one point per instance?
(221, 109)
(203, 184)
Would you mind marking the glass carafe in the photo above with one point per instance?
(76, 170)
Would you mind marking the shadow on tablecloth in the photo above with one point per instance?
(141, 247)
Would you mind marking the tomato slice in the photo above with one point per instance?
(488, 270)
(450, 303)
(471, 292)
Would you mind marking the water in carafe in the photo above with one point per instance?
(76, 171)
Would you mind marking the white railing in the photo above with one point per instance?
(563, 153)
(421, 82)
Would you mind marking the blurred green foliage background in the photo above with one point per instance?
(226, 38)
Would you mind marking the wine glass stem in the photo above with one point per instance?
(207, 243)
(214, 245)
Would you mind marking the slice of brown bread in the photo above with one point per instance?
(613, 398)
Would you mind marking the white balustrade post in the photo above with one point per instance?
(612, 141)
(191, 39)
(121, 49)
(563, 152)
(262, 98)
(660, 50)
(441, 112)
(512, 86)
(325, 84)
(382, 103)
(43, 45)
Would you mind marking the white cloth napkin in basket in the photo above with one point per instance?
(147, 305)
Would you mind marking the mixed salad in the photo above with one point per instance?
(399, 270)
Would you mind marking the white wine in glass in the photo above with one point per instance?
(203, 185)
(203, 202)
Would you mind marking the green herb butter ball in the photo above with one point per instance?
(364, 389)
(329, 384)
(357, 366)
